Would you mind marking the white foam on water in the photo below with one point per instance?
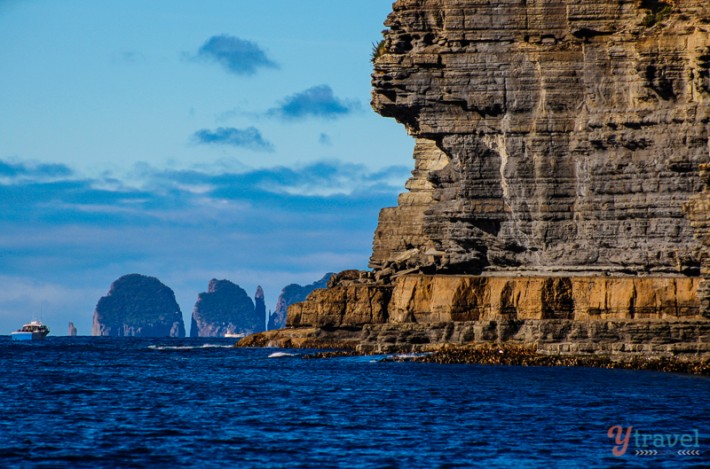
(187, 347)
(282, 355)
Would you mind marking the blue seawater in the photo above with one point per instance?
(103, 402)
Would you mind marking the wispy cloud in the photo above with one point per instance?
(236, 55)
(318, 101)
(33, 171)
(161, 195)
(249, 138)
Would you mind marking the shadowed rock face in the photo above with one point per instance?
(260, 306)
(138, 306)
(699, 209)
(225, 307)
(552, 136)
(293, 294)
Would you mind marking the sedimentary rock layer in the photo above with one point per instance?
(431, 299)
(552, 135)
(687, 339)
(699, 209)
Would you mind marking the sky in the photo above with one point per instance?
(186, 141)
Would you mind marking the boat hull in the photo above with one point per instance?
(24, 336)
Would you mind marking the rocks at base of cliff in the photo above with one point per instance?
(138, 306)
(563, 336)
(689, 340)
(293, 294)
(226, 308)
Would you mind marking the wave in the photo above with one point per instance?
(188, 347)
(282, 355)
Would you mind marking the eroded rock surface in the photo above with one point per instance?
(138, 306)
(552, 136)
(699, 209)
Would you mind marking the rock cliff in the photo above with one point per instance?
(552, 135)
(291, 294)
(225, 307)
(699, 210)
(560, 195)
(138, 306)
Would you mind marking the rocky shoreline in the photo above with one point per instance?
(518, 355)
(683, 348)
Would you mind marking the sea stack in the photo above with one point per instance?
(225, 308)
(72, 330)
(260, 306)
(291, 294)
(558, 197)
(138, 306)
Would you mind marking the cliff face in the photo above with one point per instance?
(138, 306)
(552, 136)
(560, 195)
(699, 209)
(225, 307)
(293, 294)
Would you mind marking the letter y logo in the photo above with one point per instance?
(622, 443)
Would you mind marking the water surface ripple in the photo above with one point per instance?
(101, 402)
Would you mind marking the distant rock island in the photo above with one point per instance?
(72, 330)
(293, 294)
(226, 308)
(138, 306)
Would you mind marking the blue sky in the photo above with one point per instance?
(186, 140)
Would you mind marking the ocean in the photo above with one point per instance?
(127, 402)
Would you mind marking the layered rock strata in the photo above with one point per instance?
(552, 136)
(430, 299)
(699, 209)
(138, 306)
(689, 340)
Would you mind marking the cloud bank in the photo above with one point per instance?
(236, 55)
(318, 101)
(72, 235)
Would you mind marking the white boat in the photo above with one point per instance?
(32, 331)
(234, 335)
